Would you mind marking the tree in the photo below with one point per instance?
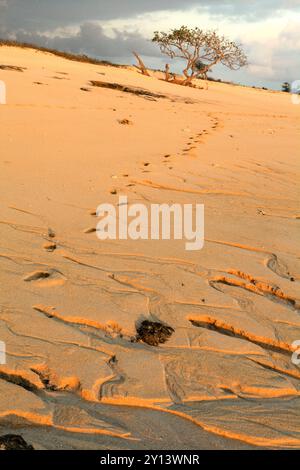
(286, 87)
(201, 50)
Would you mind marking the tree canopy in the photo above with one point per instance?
(201, 50)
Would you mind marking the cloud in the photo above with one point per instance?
(33, 15)
(249, 11)
(92, 40)
(42, 15)
(277, 59)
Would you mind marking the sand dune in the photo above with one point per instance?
(70, 303)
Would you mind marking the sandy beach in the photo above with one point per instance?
(71, 304)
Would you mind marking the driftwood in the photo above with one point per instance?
(127, 89)
(142, 66)
(171, 78)
(167, 73)
(178, 81)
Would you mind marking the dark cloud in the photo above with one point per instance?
(91, 40)
(45, 14)
(41, 15)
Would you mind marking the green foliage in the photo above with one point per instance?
(286, 87)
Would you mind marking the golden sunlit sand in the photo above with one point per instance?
(71, 304)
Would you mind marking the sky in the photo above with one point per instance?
(269, 31)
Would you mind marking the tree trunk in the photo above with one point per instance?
(141, 65)
(188, 78)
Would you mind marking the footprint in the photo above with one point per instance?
(36, 275)
(51, 277)
(50, 246)
(51, 233)
(90, 230)
(125, 122)
(59, 78)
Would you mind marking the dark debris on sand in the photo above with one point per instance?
(127, 89)
(14, 442)
(14, 68)
(153, 333)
